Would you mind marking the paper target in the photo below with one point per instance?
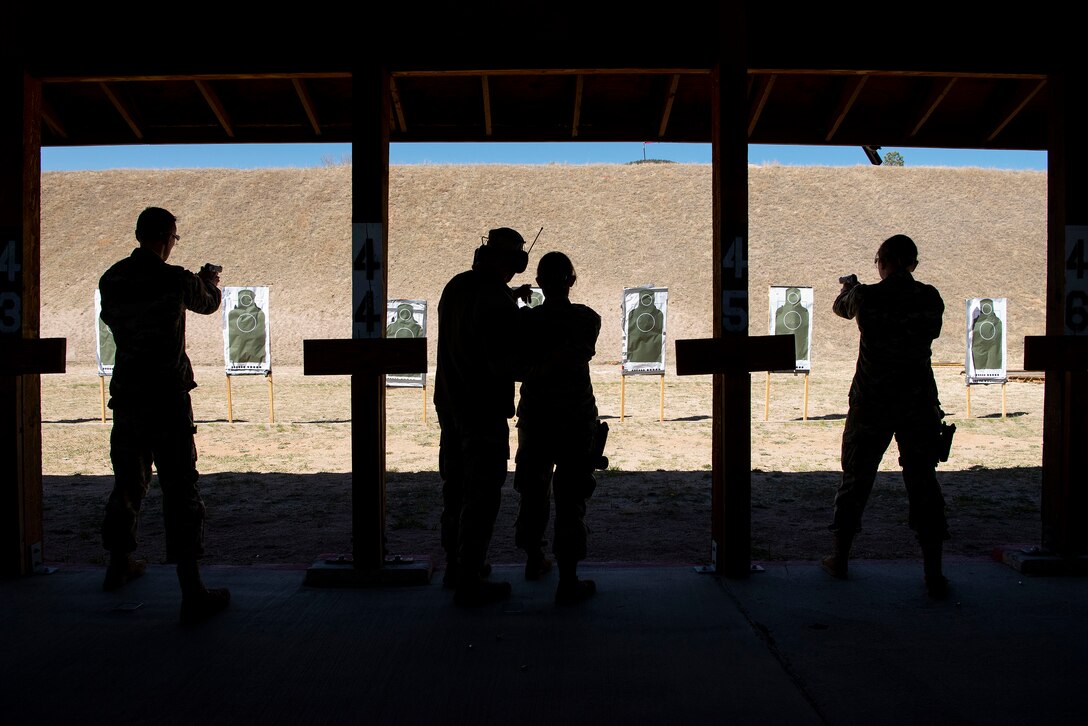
(791, 314)
(535, 298)
(105, 348)
(644, 329)
(986, 335)
(247, 341)
(406, 319)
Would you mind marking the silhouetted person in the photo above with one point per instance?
(474, 399)
(144, 301)
(557, 423)
(893, 394)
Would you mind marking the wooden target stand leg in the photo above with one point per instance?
(367, 360)
(662, 397)
(230, 405)
(102, 392)
(623, 384)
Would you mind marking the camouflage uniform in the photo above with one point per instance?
(557, 420)
(893, 394)
(474, 399)
(144, 302)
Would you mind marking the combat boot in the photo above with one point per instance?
(122, 570)
(936, 582)
(835, 564)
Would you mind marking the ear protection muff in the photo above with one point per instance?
(520, 260)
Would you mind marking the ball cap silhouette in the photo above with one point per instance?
(504, 238)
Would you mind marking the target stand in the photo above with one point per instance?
(767, 395)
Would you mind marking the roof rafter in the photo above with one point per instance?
(217, 106)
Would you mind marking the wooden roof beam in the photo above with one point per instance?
(938, 91)
(670, 98)
(1017, 105)
(579, 86)
(762, 86)
(846, 102)
(307, 104)
(487, 105)
(49, 116)
(396, 108)
(217, 106)
(121, 109)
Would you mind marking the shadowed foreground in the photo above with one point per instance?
(657, 645)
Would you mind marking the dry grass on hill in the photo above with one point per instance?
(980, 233)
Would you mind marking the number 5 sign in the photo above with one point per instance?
(1076, 280)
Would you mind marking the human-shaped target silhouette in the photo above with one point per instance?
(406, 319)
(645, 330)
(987, 337)
(403, 323)
(105, 345)
(536, 296)
(246, 330)
(792, 318)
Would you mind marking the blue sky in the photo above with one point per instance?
(254, 156)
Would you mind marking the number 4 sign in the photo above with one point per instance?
(1076, 280)
(11, 286)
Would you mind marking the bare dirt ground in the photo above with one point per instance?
(280, 493)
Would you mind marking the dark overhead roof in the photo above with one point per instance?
(821, 77)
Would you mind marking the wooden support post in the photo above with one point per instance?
(733, 359)
(24, 355)
(102, 395)
(230, 405)
(1065, 492)
(20, 359)
(271, 401)
(424, 397)
(1003, 400)
(366, 360)
(968, 400)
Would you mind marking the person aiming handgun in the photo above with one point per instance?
(893, 393)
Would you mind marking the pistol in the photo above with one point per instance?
(944, 448)
(596, 454)
(848, 279)
(213, 268)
